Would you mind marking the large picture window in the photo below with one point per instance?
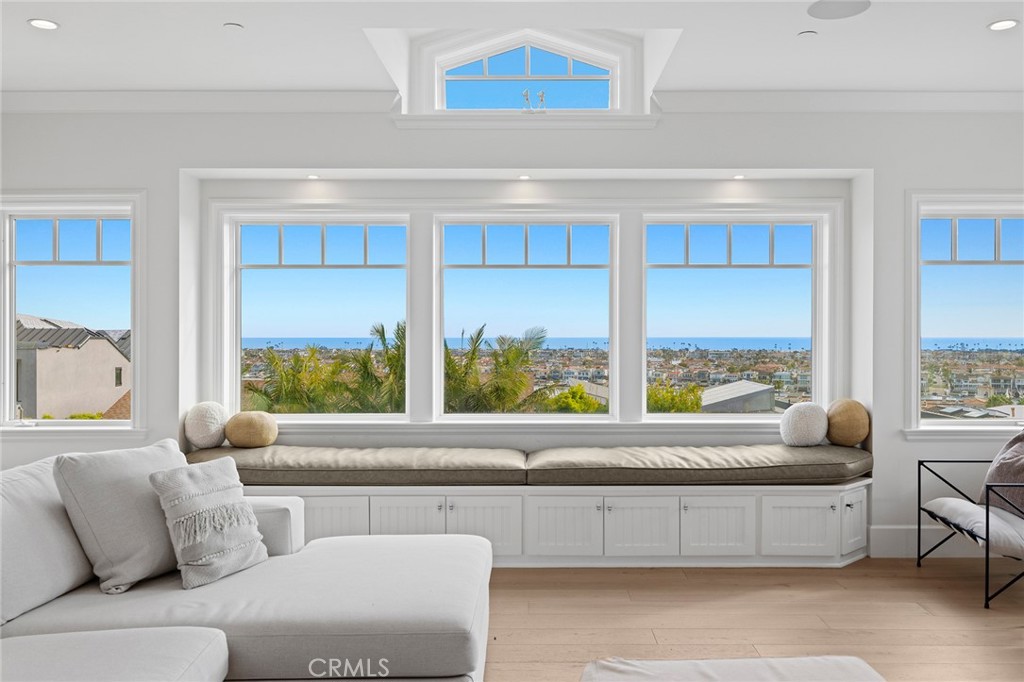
(322, 316)
(72, 295)
(971, 315)
(526, 316)
(730, 314)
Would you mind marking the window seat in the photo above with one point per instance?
(661, 465)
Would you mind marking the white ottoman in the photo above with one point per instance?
(807, 669)
(138, 655)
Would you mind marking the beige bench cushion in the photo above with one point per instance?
(676, 465)
(301, 465)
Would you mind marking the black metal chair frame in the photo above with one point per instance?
(990, 489)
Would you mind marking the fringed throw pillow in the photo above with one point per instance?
(213, 528)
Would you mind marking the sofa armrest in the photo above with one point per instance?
(281, 521)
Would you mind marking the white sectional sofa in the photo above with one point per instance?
(407, 606)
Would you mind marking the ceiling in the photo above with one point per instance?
(321, 46)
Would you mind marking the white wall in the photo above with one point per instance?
(888, 154)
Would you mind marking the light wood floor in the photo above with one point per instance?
(908, 623)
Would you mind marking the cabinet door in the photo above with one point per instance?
(499, 519)
(718, 526)
(800, 525)
(641, 526)
(854, 521)
(407, 515)
(327, 516)
(564, 525)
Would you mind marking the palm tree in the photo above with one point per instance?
(509, 387)
(373, 389)
(302, 383)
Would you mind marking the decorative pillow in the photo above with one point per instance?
(213, 528)
(848, 423)
(1007, 467)
(204, 424)
(251, 430)
(115, 512)
(803, 425)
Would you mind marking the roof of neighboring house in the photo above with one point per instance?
(42, 332)
(736, 389)
(122, 409)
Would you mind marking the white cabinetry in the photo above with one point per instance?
(800, 525)
(641, 526)
(564, 525)
(854, 521)
(497, 518)
(327, 516)
(407, 515)
(718, 526)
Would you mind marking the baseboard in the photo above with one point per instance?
(901, 542)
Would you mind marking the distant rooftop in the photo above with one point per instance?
(44, 332)
(736, 389)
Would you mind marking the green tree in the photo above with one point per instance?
(998, 399)
(508, 387)
(377, 384)
(576, 401)
(303, 383)
(662, 397)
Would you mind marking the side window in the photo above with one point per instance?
(73, 316)
(730, 309)
(971, 316)
(322, 312)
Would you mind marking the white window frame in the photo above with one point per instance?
(89, 206)
(827, 305)
(921, 205)
(526, 219)
(228, 346)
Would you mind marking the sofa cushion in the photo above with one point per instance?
(212, 527)
(299, 465)
(139, 655)
(1006, 529)
(418, 601)
(115, 512)
(678, 465)
(41, 557)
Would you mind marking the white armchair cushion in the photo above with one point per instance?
(1006, 530)
(282, 522)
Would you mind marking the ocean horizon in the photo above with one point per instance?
(782, 343)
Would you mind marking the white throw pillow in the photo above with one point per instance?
(115, 512)
(803, 425)
(204, 424)
(211, 524)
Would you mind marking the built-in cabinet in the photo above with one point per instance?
(634, 525)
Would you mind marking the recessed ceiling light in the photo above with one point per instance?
(524, 177)
(739, 177)
(1003, 24)
(838, 9)
(313, 177)
(44, 24)
(233, 24)
(807, 34)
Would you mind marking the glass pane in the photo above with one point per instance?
(117, 240)
(544, 63)
(345, 245)
(584, 69)
(1012, 239)
(548, 245)
(505, 245)
(33, 239)
(511, 63)
(590, 245)
(511, 369)
(936, 239)
(73, 329)
(302, 244)
(728, 340)
(750, 244)
(666, 244)
(259, 245)
(508, 94)
(471, 69)
(387, 244)
(309, 343)
(971, 343)
(76, 239)
(463, 245)
(794, 244)
(976, 239)
(708, 244)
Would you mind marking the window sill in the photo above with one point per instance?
(551, 120)
(14, 433)
(963, 433)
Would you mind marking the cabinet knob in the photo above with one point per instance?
(597, 507)
(832, 507)
(849, 505)
(451, 506)
(609, 508)
(440, 506)
(686, 507)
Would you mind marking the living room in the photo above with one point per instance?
(685, 220)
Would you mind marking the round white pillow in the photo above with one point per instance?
(204, 424)
(804, 424)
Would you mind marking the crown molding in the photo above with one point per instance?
(836, 101)
(197, 101)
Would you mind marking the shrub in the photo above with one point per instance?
(575, 400)
(86, 415)
(662, 397)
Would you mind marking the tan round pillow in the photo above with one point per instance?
(848, 422)
(251, 430)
